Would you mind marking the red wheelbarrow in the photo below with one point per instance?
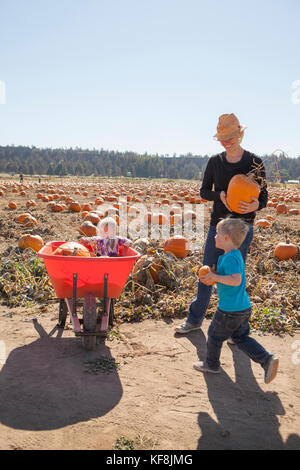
(75, 277)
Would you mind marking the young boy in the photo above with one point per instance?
(231, 319)
(107, 242)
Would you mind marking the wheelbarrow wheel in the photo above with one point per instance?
(62, 314)
(89, 321)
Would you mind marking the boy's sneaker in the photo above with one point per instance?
(271, 369)
(186, 327)
(204, 367)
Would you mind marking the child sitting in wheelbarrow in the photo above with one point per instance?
(106, 243)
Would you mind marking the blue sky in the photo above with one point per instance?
(149, 76)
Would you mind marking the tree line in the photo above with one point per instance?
(85, 162)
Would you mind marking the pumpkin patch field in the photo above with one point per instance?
(138, 389)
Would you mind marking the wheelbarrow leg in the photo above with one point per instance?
(106, 307)
(111, 312)
(63, 312)
(89, 321)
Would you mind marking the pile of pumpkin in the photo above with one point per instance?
(170, 264)
(241, 186)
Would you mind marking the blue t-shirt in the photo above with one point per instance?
(232, 298)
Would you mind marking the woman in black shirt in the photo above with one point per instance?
(218, 173)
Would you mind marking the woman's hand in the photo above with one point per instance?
(246, 207)
(223, 199)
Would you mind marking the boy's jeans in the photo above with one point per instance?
(199, 305)
(233, 325)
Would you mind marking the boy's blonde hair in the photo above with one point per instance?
(237, 229)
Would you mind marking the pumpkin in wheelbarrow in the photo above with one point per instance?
(72, 249)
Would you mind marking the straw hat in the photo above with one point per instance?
(228, 126)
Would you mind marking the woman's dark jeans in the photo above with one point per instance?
(233, 325)
(199, 305)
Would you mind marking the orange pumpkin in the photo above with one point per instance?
(74, 206)
(263, 223)
(72, 249)
(205, 270)
(286, 250)
(31, 241)
(12, 205)
(57, 207)
(99, 201)
(88, 229)
(91, 217)
(86, 207)
(30, 221)
(281, 208)
(23, 216)
(293, 211)
(241, 188)
(177, 245)
(27, 220)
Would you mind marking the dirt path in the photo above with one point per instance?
(155, 397)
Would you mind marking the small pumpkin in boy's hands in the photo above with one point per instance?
(203, 271)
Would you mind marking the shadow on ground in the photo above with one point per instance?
(45, 385)
(247, 416)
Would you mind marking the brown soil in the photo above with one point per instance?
(155, 397)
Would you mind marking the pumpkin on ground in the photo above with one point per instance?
(263, 223)
(86, 207)
(88, 229)
(286, 250)
(91, 217)
(57, 207)
(29, 221)
(74, 206)
(293, 211)
(22, 217)
(241, 188)
(31, 241)
(177, 245)
(281, 208)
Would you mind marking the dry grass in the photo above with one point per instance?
(273, 286)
